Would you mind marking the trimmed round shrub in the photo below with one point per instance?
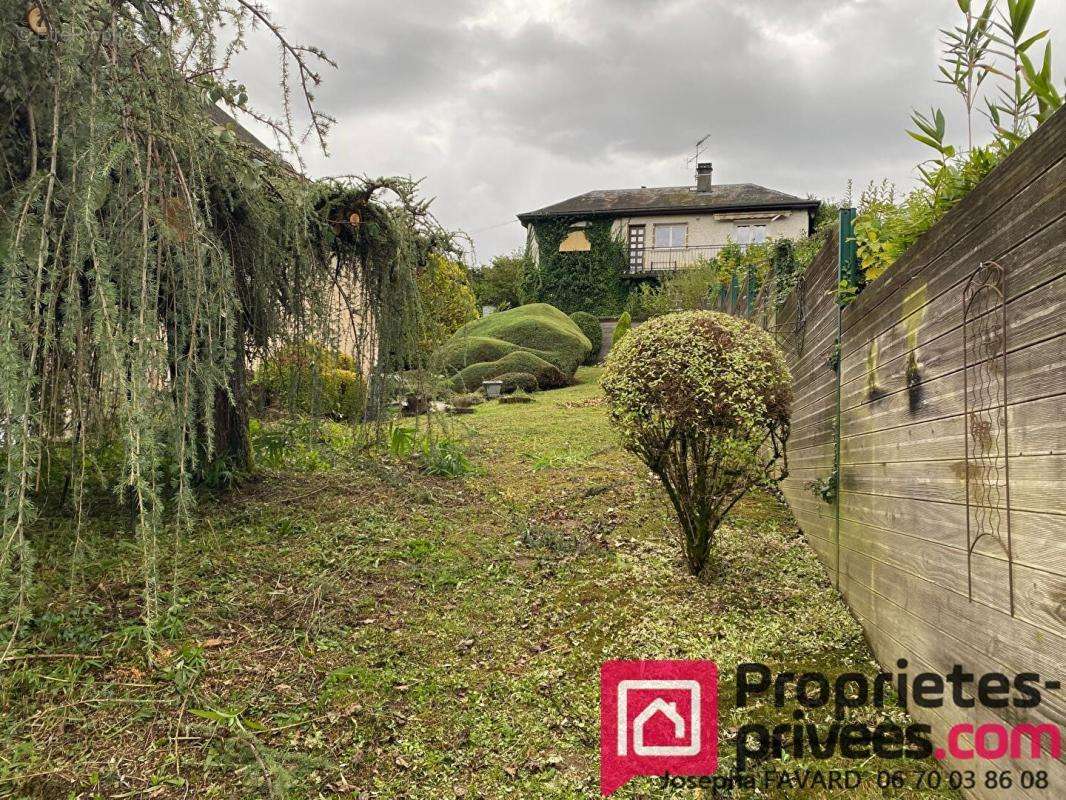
(590, 326)
(537, 328)
(621, 328)
(458, 354)
(513, 381)
(704, 399)
(310, 379)
(548, 375)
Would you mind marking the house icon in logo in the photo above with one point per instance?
(659, 706)
(656, 717)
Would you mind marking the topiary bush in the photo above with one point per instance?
(548, 375)
(518, 381)
(621, 328)
(590, 326)
(536, 329)
(310, 379)
(458, 354)
(704, 399)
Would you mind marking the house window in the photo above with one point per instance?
(750, 234)
(671, 235)
(636, 248)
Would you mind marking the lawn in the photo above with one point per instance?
(354, 628)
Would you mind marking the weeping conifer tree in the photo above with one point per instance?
(149, 253)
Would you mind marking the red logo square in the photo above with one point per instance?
(656, 717)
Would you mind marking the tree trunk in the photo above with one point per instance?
(232, 444)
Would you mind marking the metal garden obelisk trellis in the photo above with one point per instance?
(986, 419)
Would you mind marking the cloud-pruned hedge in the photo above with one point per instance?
(524, 339)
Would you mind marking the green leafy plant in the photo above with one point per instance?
(824, 488)
(185, 668)
(402, 440)
(885, 228)
(448, 302)
(441, 456)
(966, 56)
(590, 326)
(445, 458)
(502, 284)
(269, 445)
(703, 399)
(983, 45)
(1048, 98)
(621, 329)
(845, 292)
(1011, 109)
(300, 444)
(308, 378)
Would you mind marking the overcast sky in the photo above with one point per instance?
(505, 106)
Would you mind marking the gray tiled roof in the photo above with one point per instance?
(670, 199)
(225, 119)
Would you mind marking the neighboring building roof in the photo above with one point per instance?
(670, 200)
(225, 119)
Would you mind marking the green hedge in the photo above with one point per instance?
(548, 375)
(621, 329)
(458, 354)
(590, 326)
(537, 330)
(513, 381)
(309, 379)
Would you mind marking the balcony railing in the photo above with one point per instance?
(670, 259)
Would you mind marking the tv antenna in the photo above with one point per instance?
(701, 148)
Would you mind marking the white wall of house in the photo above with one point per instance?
(716, 229)
(708, 229)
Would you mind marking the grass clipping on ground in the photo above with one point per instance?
(366, 631)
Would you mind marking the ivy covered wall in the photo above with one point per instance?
(590, 280)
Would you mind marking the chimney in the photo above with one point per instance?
(703, 176)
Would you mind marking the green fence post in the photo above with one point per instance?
(847, 271)
(750, 277)
(849, 257)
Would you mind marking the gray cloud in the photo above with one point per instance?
(507, 105)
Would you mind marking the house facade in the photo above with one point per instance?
(669, 228)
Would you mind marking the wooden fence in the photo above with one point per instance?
(948, 534)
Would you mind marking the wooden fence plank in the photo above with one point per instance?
(906, 552)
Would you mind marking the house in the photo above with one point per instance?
(352, 329)
(669, 228)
